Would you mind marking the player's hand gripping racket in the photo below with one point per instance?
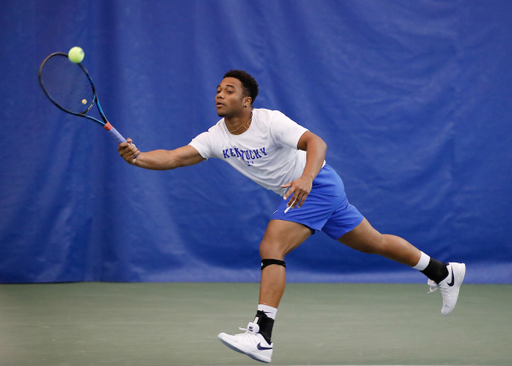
(69, 86)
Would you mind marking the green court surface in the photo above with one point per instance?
(158, 324)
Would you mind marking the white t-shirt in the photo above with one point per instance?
(266, 153)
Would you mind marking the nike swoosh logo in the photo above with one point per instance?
(262, 348)
(452, 282)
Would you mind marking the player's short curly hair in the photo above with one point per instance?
(249, 84)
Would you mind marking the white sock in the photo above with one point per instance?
(268, 310)
(423, 263)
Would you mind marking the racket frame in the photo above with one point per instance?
(105, 123)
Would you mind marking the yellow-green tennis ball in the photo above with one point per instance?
(76, 55)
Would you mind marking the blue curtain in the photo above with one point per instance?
(412, 98)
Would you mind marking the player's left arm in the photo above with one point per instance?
(315, 149)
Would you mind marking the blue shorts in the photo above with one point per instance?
(326, 207)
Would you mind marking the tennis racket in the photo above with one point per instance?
(69, 86)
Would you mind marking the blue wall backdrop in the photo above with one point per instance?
(414, 99)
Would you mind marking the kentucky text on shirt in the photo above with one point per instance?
(246, 155)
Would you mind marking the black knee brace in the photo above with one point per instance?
(268, 262)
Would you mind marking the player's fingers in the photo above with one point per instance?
(293, 203)
(297, 200)
(131, 147)
(294, 195)
(288, 193)
(291, 197)
(122, 146)
(300, 197)
(303, 199)
(129, 152)
(135, 153)
(287, 185)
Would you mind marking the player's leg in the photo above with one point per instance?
(280, 238)
(366, 239)
(448, 277)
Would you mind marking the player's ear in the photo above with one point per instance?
(247, 101)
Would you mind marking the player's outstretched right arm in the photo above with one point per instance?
(159, 159)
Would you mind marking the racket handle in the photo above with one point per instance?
(119, 138)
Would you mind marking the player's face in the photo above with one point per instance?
(229, 99)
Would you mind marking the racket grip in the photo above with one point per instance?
(119, 138)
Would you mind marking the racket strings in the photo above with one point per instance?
(66, 84)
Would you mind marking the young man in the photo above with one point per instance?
(286, 158)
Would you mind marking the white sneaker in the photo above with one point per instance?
(251, 343)
(450, 286)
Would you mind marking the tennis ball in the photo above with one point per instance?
(76, 55)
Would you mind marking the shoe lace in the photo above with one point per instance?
(250, 328)
(246, 331)
(433, 286)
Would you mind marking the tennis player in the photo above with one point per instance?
(282, 156)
